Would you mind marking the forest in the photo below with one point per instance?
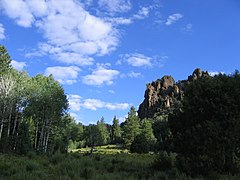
(198, 137)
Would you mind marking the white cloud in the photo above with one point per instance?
(214, 73)
(135, 59)
(101, 75)
(65, 75)
(76, 103)
(18, 65)
(2, 30)
(111, 91)
(173, 18)
(115, 6)
(134, 74)
(142, 13)
(94, 104)
(120, 20)
(19, 11)
(76, 117)
(72, 33)
(187, 28)
(141, 60)
(123, 118)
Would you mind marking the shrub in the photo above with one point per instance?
(165, 161)
(140, 144)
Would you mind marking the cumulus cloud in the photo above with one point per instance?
(19, 11)
(101, 75)
(65, 75)
(76, 102)
(94, 104)
(2, 31)
(115, 6)
(72, 34)
(173, 18)
(18, 65)
(141, 60)
(135, 59)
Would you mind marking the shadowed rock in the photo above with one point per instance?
(162, 94)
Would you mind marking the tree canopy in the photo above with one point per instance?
(206, 129)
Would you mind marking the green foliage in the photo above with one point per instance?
(140, 144)
(23, 139)
(116, 131)
(147, 130)
(163, 134)
(131, 128)
(103, 134)
(206, 129)
(30, 109)
(145, 141)
(91, 135)
(5, 60)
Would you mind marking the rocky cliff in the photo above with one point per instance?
(161, 95)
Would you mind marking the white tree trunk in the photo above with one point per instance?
(1, 130)
(9, 122)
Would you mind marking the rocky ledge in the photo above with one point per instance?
(162, 94)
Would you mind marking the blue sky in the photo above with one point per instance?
(103, 52)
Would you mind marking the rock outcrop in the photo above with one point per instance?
(161, 95)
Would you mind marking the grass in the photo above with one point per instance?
(108, 149)
(76, 166)
(107, 162)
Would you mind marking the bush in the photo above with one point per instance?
(165, 161)
(140, 144)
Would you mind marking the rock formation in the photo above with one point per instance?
(161, 95)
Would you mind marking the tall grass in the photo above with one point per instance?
(85, 166)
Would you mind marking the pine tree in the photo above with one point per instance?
(131, 128)
(116, 131)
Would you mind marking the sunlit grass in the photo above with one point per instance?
(108, 149)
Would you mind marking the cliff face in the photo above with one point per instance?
(162, 94)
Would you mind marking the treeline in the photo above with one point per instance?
(132, 134)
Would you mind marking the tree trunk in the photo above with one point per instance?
(46, 143)
(36, 136)
(45, 134)
(9, 123)
(15, 122)
(1, 130)
(40, 142)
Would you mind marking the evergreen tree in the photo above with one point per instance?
(206, 129)
(116, 131)
(131, 128)
(145, 141)
(147, 130)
